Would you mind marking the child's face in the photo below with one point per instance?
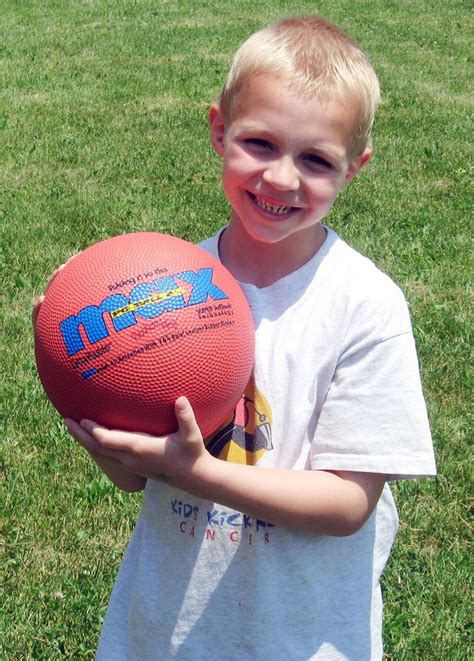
(286, 157)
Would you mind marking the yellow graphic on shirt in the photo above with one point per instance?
(247, 433)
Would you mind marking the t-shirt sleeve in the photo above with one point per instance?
(374, 416)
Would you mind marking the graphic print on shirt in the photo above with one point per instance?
(247, 433)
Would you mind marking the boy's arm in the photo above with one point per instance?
(315, 501)
(322, 502)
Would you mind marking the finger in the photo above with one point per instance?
(53, 277)
(188, 427)
(81, 435)
(90, 444)
(40, 300)
(102, 436)
(55, 273)
(36, 308)
(114, 439)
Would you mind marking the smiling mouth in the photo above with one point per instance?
(275, 209)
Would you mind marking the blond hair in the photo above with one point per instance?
(316, 59)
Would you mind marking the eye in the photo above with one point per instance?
(316, 162)
(258, 144)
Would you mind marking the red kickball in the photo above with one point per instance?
(137, 320)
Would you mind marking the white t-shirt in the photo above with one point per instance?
(336, 386)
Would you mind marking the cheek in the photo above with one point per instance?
(326, 190)
(231, 182)
(323, 195)
(240, 160)
(237, 169)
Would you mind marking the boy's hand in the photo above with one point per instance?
(40, 299)
(171, 457)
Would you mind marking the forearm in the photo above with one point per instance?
(320, 502)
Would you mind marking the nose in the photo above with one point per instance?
(282, 174)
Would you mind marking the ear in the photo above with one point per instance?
(217, 129)
(357, 164)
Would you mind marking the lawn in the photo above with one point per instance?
(103, 126)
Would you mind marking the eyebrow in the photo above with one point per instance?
(253, 127)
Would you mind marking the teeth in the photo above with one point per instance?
(279, 210)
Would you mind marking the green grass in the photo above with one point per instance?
(103, 127)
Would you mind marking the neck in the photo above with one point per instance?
(262, 264)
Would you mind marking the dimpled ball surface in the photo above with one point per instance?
(137, 320)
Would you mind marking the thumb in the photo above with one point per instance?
(36, 308)
(188, 427)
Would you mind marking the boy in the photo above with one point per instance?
(268, 540)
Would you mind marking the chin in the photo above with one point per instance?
(304, 234)
(266, 237)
